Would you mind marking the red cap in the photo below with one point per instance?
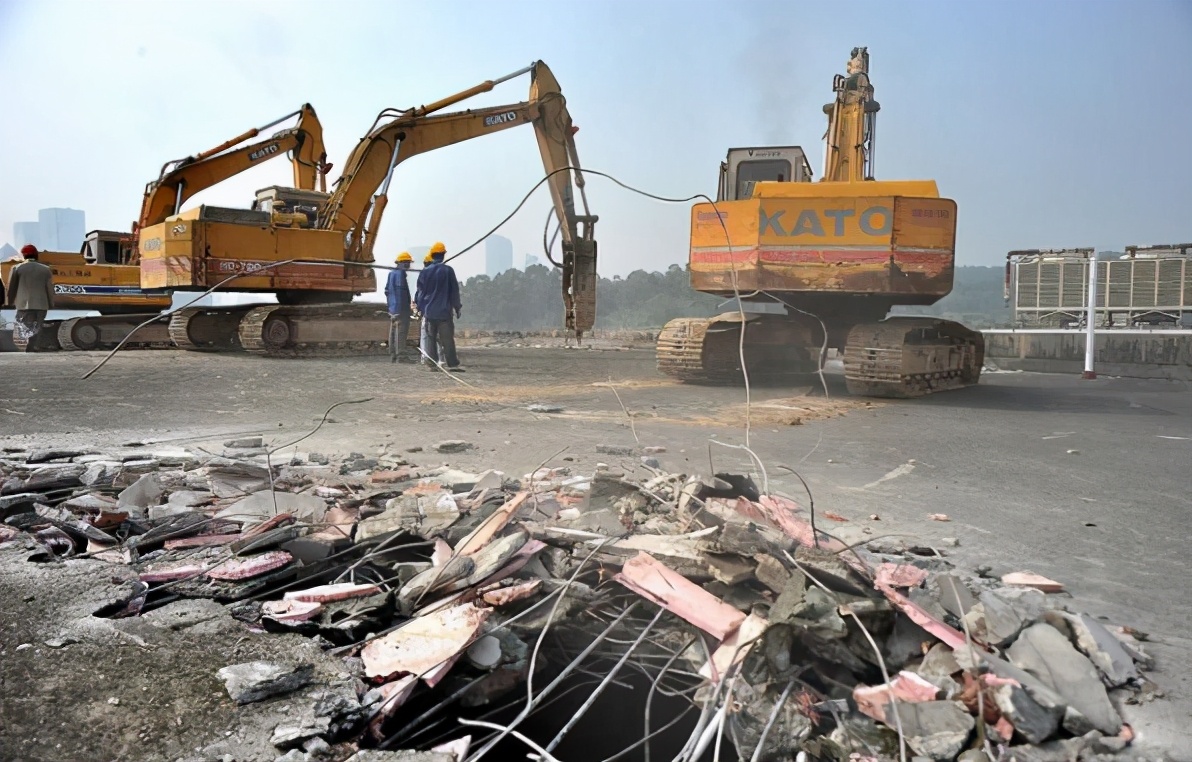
(28, 249)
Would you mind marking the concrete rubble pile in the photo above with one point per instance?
(443, 592)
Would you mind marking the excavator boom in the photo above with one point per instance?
(183, 178)
(354, 210)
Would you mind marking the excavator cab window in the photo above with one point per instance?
(110, 253)
(766, 170)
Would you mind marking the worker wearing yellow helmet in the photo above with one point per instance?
(397, 294)
(438, 298)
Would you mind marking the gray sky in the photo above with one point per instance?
(1052, 123)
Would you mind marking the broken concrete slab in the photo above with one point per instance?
(1102, 648)
(89, 503)
(258, 680)
(289, 736)
(44, 456)
(653, 580)
(1001, 614)
(1036, 581)
(18, 501)
(190, 498)
(938, 730)
(244, 443)
(771, 572)
(53, 477)
(1031, 720)
(1047, 654)
(264, 504)
(424, 643)
(955, 597)
(339, 591)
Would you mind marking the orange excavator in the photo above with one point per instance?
(105, 275)
(817, 265)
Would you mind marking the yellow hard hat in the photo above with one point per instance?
(427, 259)
(438, 248)
(405, 257)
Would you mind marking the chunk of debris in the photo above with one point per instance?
(263, 504)
(257, 680)
(938, 730)
(900, 575)
(1104, 650)
(651, 579)
(423, 643)
(335, 592)
(1045, 653)
(453, 445)
(1030, 579)
(253, 566)
(906, 687)
(614, 450)
(245, 443)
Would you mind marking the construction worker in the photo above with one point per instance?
(397, 293)
(423, 335)
(31, 293)
(440, 298)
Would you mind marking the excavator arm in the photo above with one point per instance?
(399, 135)
(183, 178)
(852, 124)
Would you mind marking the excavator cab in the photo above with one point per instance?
(107, 247)
(746, 167)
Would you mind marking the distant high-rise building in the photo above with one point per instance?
(531, 260)
(24, 233)
(61, 229)
(7, 251)
(498, 255)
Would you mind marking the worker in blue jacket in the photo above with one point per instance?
(397, 293)
(438, 301)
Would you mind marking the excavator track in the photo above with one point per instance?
(208, 329)
(106, 332)
(708, 350)
(330, 330)
(912, 357)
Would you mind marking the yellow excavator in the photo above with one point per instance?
(818, 265)
(105, 275)
(312, 249)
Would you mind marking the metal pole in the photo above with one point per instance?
(1090, 339)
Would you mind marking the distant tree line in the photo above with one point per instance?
(532, 300)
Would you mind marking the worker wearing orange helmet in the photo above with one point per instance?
(397, 294)
(438, 298)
